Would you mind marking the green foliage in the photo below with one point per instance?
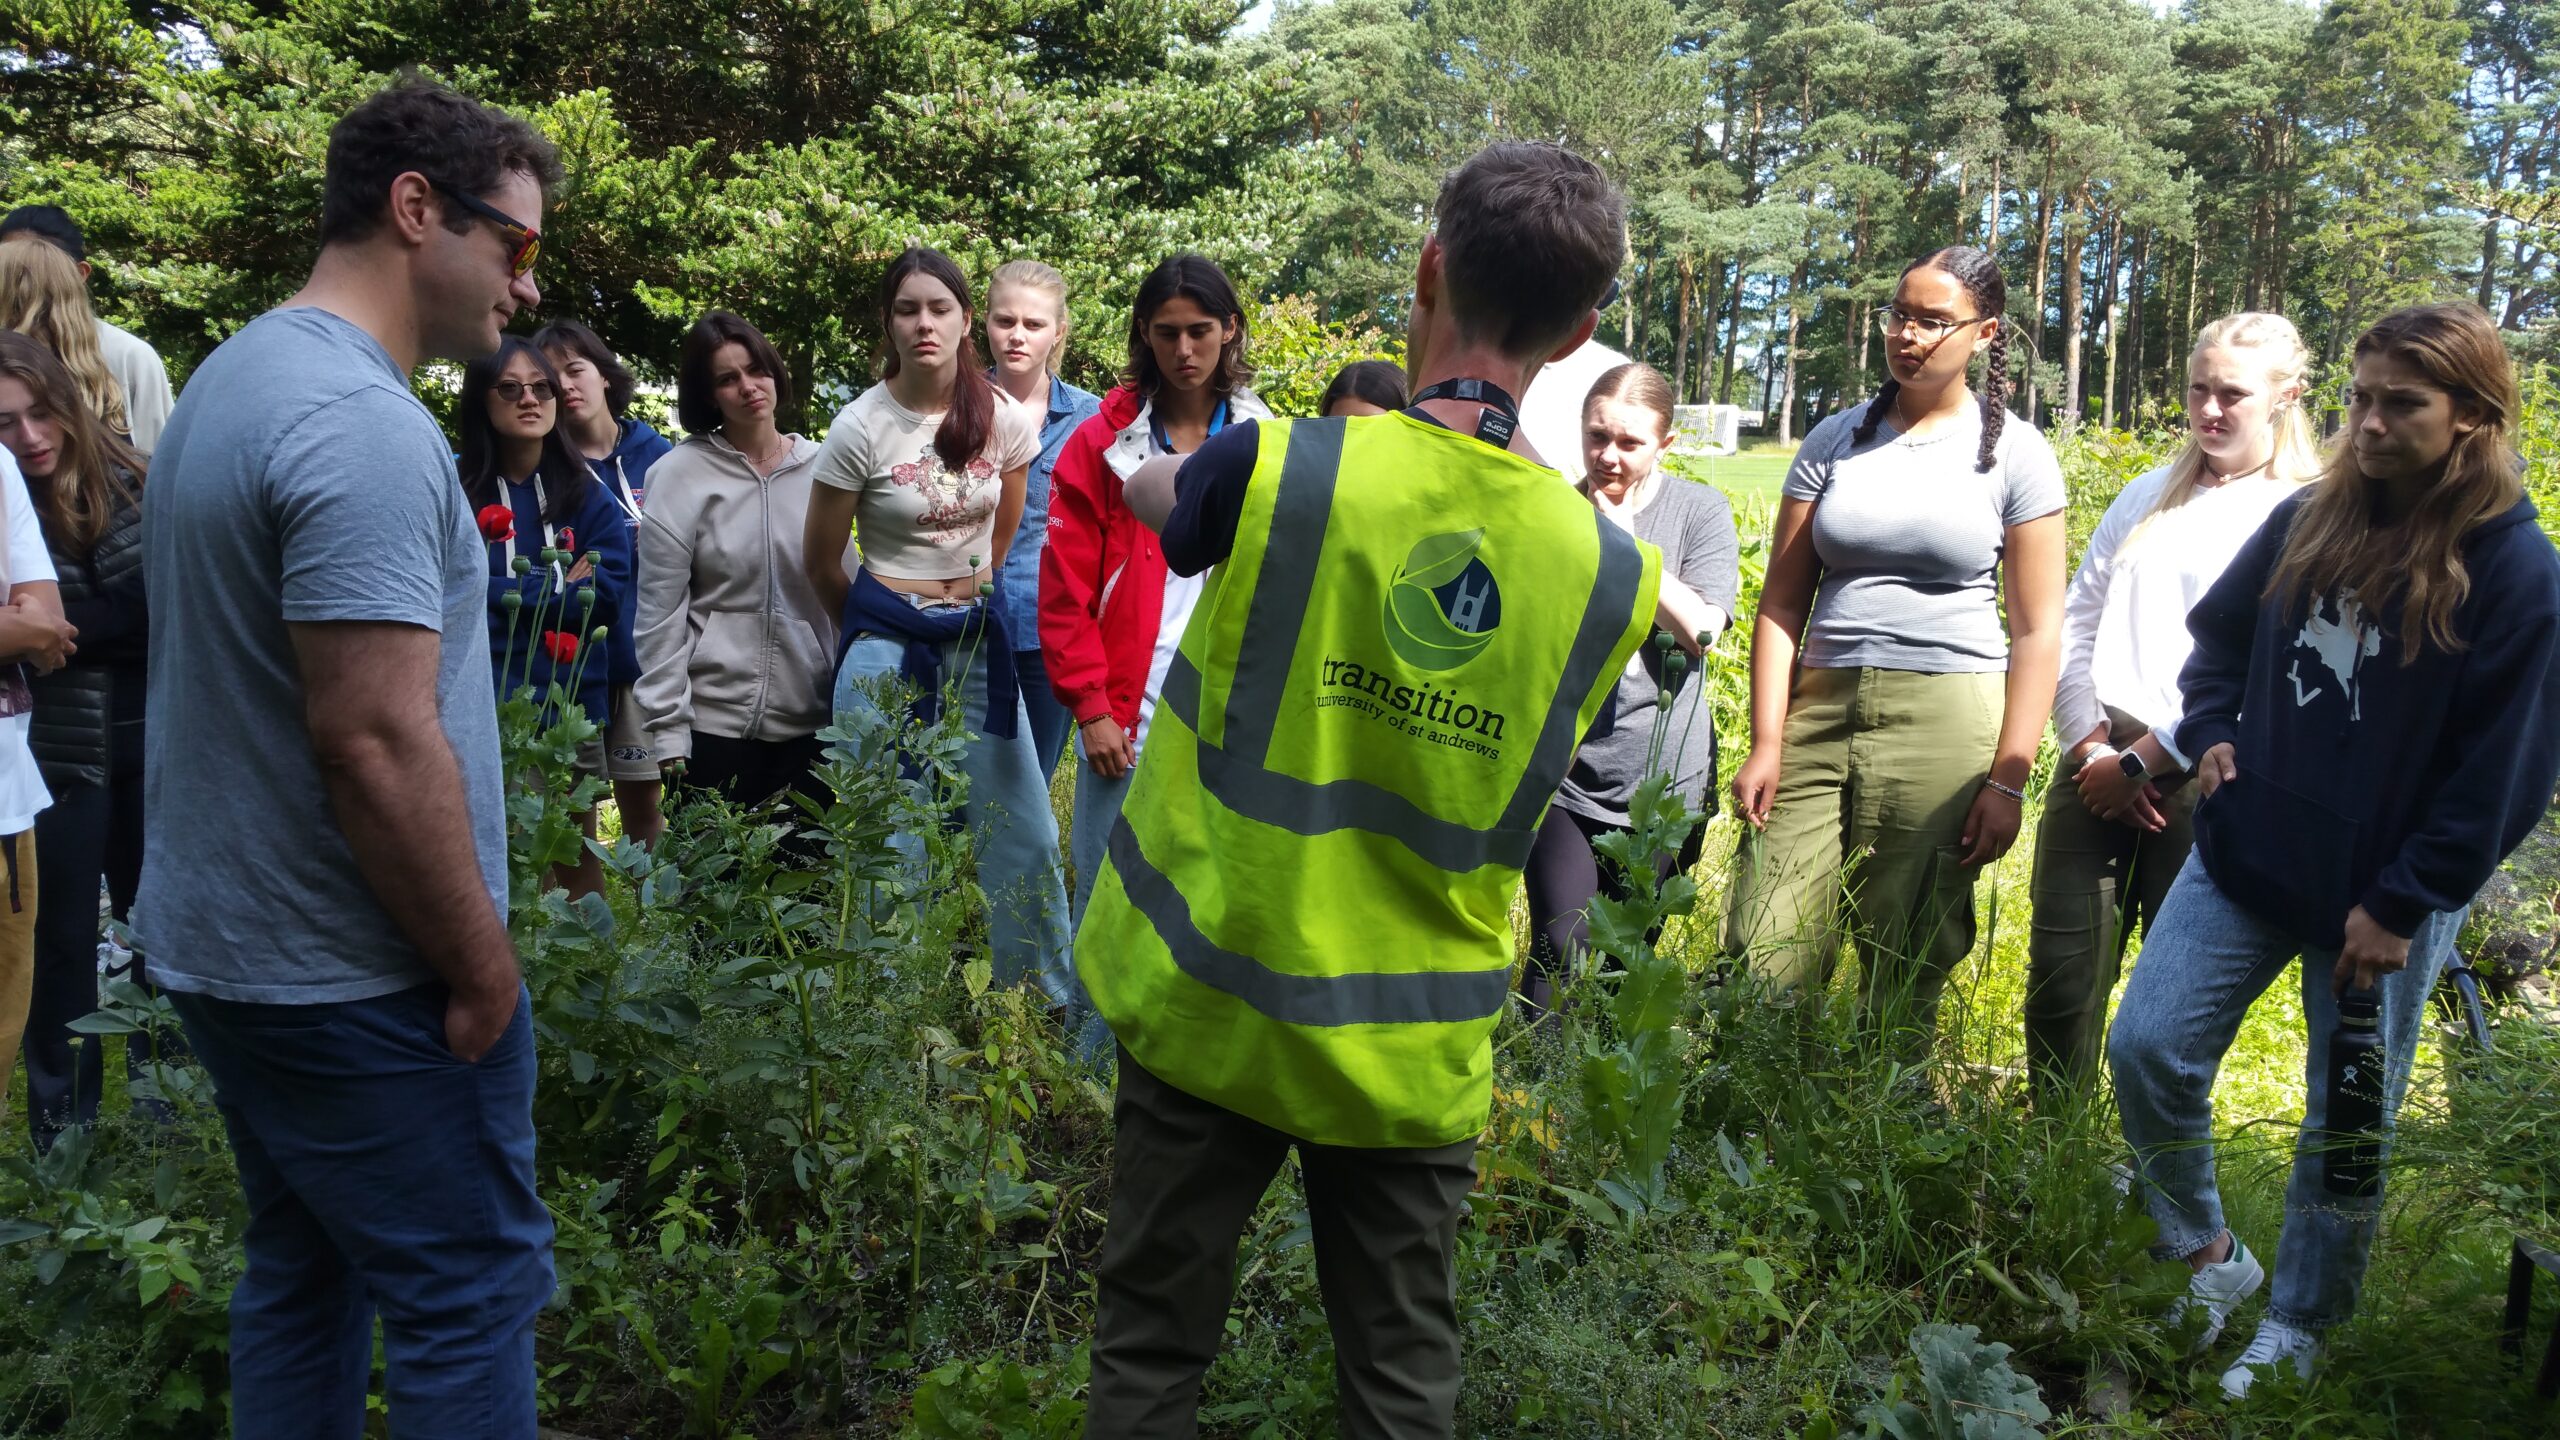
(1969, 1391)
(1296, 351)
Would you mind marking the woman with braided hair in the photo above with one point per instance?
(1894, 719)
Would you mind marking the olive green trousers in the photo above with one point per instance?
(1864, 843)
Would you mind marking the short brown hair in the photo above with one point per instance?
(697, 402)
(415, 124)
(1530, 236)
(563, 338)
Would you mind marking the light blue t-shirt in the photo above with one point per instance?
(300, 481)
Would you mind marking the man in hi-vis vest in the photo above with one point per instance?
(1302, 935)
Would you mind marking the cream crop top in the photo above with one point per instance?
(915, 517)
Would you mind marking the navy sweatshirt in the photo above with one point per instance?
(625, 474)
(598, 524)
(2363, 781)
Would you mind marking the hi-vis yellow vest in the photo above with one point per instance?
(1305, 916)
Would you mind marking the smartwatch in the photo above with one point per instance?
(2129, 760)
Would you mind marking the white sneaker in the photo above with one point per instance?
(2276, 1344)
(2217, 1290)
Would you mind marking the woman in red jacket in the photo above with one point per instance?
(1111, 614)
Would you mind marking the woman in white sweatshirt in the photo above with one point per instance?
(734, 647)
(2117, 817)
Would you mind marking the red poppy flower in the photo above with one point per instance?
(497, 523)
(568, 539)
(562, 647)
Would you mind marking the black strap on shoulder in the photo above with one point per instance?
(1501, 413)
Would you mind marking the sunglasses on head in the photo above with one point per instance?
(526, 239)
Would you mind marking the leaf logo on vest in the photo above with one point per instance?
(1443, 606)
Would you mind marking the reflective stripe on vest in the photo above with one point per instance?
(1235, 772)
(1414, 997)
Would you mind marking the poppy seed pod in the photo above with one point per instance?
(596, 636)
(586, 597)
(511, 602)
(522, 566)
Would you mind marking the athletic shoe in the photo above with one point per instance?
(2276, 1344)
(2217, 1290)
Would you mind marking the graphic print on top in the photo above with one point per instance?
(955, 501)
(2342, 646)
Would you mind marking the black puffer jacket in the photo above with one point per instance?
(102, 595)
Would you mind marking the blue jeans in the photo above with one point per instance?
(1050, 722)
(1007, 807)
(2204, 963)
(381, 1174)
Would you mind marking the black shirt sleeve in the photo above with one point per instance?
(1208, 499)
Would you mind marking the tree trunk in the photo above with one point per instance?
(2075, 252)
(2044, 267)
(2137, 316)
(1707, 332)
(1732, 325)
(2195, 273)
(1795, 319)
(1991, 236)
(1680, 357)
(2110, 267)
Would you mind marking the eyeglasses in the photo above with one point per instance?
(512, 391)
(1930, 329)
(526, 239)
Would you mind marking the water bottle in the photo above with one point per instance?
(2351, 1155)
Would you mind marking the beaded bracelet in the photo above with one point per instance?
(2015, 794)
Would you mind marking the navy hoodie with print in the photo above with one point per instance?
(2361, 780)
(597, 525)
(625, 473)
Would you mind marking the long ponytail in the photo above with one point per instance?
(971, 416)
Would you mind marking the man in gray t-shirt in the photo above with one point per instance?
(310, 486)
(325, 892)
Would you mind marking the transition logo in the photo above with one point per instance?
(1443, 606)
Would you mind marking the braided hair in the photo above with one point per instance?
(1988, 289)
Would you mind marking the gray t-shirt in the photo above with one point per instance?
(298, 480)
(1692, 525)
(1910, 535)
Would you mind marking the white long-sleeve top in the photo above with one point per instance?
(2124, 620)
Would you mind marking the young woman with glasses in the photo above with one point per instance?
(532, 494)
(1894, 715)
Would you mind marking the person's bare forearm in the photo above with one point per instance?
(398, 798)
(1773, 664)
(1149, 491)
(2035, 660)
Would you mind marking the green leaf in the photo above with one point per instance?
(1438, 559)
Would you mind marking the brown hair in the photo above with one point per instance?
(1530, 236)
(971, 417)
(43, 296)
(697, 399)
(1634, 383)
(563, 338)
(97, 471)
(2335, 545)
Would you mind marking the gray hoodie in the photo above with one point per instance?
(732, 639)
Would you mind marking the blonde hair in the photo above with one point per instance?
(2296, 457)
(1036, 275)
(43, 297)
(2335, 544)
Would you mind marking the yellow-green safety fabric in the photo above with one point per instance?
(1305, 914)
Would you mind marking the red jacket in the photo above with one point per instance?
(1101, 572)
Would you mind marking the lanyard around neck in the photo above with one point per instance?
(1164, 441)
(1501, 413)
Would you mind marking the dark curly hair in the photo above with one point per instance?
(415, 124)
(697, 400)
(1988, 289)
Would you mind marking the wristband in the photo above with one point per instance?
(2015, 794)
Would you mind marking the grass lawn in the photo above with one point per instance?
(1754, 474)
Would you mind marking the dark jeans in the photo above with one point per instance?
(1050, 722)
(382, 1175)
(1185, 1177)
(750, 772)
(88, 833)
(1565, 874)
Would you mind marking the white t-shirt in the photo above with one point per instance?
(2124, 621)
(915, 517)
(144, 380)
(22, 791)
